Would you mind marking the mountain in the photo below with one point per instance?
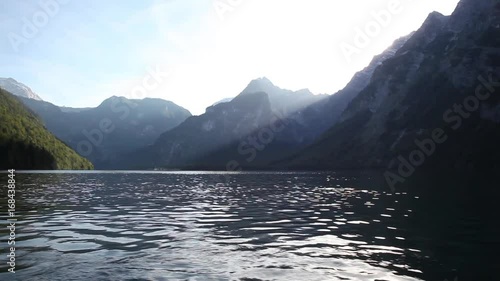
(116, 127)
(223, 101)
(18, 89)
(319, 116)
(229, 131)
(433, 99)
(283, 101)
(304, 117)
(25, 144)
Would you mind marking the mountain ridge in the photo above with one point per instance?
(409, 93)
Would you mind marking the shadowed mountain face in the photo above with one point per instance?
(218, 127)
(18, 89)
(25, 144)
(437, 94)
(320, 116)
(254, 121)
(116, 127)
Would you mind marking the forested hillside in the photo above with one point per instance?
(26, 144)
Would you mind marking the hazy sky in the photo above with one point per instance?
(77, 53)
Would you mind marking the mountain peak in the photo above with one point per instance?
(118, 98)
(263, 80)
(434, 17)
(474, 14)
(112, 99)
(16, 88)
(262, 84)
(434, 20)
(304, 91)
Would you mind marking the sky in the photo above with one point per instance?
(196, 52)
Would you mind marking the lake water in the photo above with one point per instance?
(249, 226)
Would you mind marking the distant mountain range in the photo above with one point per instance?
(430, 95)
(116, 127)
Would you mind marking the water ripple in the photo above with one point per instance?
(189, 226)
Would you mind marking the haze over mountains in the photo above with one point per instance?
(216, 137)
(386, 111)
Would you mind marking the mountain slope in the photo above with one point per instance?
(414, 93)
(321, 115)
(116, 127)
(225, 131)
(218, 127)
(26, 144)
(18, 89)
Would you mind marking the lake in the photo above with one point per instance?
(246, 226)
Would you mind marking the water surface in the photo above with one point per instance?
(248, 226)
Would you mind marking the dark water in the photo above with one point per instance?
(249, 226)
